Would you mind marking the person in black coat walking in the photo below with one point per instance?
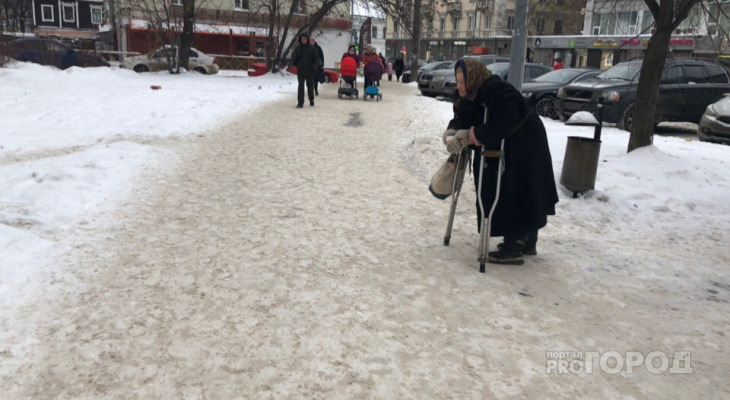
(528, 193)
(320, 70)
(306, 60)
(398, 67)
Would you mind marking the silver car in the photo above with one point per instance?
(160, 59)
(448, 84)
(431, 82)
(715, 123)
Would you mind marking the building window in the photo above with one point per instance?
(442, 24)
(240, 4)
(455, 22)
(647, 20)
(96, 15)
(543, 1)
(561, 2)
(626, 23)
(69, 14)
(470, 22)
(176, 2)
(384, 30)
(540, 25)
(301, 7)
(488, 22)
(510, 22)
(596, 24)
(558, 29)
(375, 32)
(47, 13)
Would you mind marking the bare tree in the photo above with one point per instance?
(668, 14)
(14, 13)
(186, 37)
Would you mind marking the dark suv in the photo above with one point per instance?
(687, 88)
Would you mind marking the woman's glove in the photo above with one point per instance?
(458, 142)
(447, 133)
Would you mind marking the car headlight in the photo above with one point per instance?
(438, 78)
(527, 94)
(710, 112)
(561, 93)
(610, 96)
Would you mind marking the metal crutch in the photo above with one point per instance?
(486, 223)
(461, 163)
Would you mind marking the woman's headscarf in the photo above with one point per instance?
(475, 73)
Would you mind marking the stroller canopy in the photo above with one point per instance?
(348, 67)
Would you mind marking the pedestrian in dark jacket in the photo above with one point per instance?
(528, 193)
(398, 67)
(351, 53)
(320, 71)
(306, 60)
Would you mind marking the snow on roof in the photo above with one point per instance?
(216, 29)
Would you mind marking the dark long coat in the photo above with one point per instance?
(528, 193)
(305, 58)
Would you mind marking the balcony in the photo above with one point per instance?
(453, 8)
(485, 6)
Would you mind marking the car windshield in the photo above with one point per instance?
(498, 68)
(623, 71)
(431, 66)
(558, 76)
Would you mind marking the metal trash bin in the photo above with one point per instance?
(580, 164)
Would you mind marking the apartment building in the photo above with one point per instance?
(453, 28)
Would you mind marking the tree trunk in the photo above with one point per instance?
(186, 39)
(416, 38)
(270, 45)
(642, 125)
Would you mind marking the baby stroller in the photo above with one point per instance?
(348, 78)
(373, 73)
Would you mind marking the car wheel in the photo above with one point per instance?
(545, 107)
(141, 68)
(626, 118)
(327, 79)
(200, 70)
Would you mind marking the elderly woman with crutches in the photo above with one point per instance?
(512, 165)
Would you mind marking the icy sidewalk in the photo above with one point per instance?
(294, 255)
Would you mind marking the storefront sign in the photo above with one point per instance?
(605, 42)
(433, 43)
(642, 43)
(459, 43)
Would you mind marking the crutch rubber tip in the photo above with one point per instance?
(446, 241)
(481, 268)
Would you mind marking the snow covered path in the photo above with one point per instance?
(292, 254)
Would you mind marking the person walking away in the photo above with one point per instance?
(528, 193)
(352, 53)
(398, 67)
(306, 60)
(369, 56)
(383, 61)
(390, 71)
(320, 70)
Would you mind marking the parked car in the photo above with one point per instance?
(531, 71)
(542, 91)
(715, 123)
(445, 83)
(426, 68)
(329, 75)
(49, 52)
(407, 69)
(160, 59)
(687, 88)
